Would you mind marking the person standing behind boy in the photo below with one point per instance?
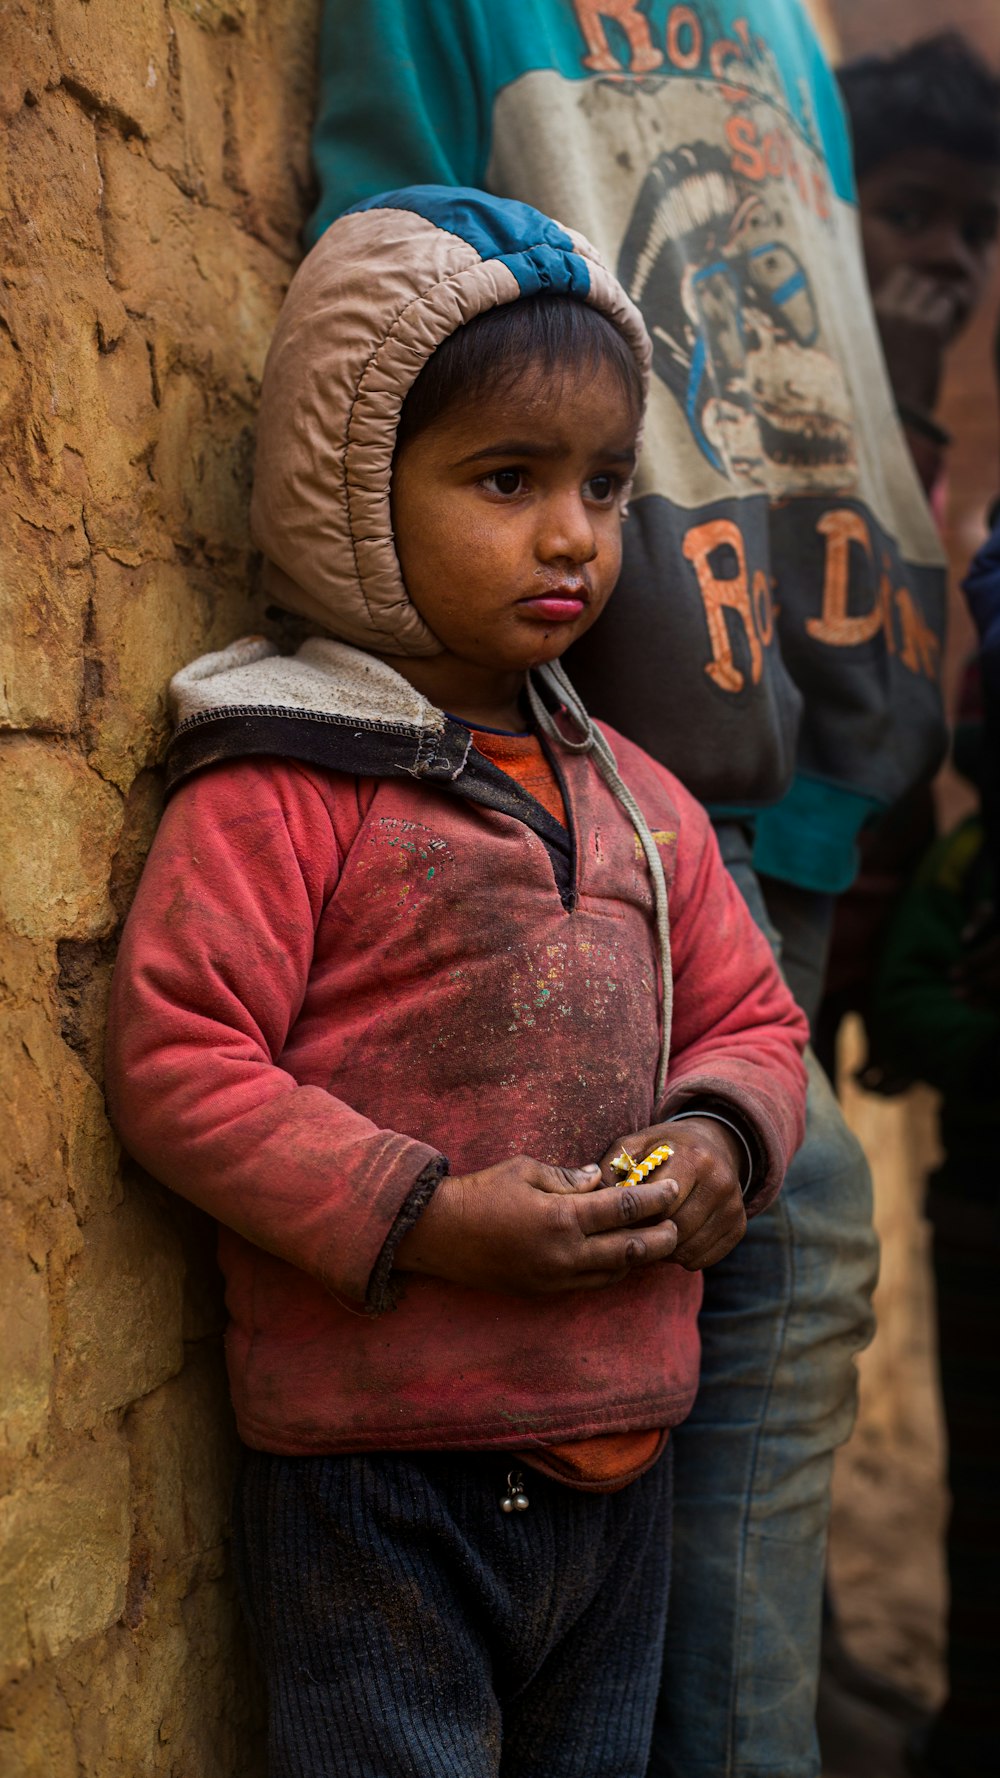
(407, 902)
(925, 127)
(925, 124)
(775, 640)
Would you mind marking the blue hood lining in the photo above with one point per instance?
(540, 254)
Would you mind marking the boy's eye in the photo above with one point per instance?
(602, 488)
(906, 219)
(504, 481)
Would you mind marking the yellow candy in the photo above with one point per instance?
(632, 1172)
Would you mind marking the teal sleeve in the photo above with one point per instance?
(405, 98)
(810, 838)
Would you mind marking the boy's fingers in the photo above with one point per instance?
(713, 1239)
(563, 1179)
(715, 1202)
(616, 1207)
(707, 1249)
(612, 1256)
(680, 1181)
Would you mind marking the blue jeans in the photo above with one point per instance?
(783, 1317)
(408, 1628)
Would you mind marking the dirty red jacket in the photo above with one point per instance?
(328, 983)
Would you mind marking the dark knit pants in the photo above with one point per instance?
(407, 1628)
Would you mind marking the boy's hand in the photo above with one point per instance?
(528, 1229)
(916, 317)
(702, 1177)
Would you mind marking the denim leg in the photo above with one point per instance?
(783, 1316)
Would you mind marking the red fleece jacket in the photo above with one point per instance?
(326, 984)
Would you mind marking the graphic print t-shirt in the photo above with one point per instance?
(775, 637)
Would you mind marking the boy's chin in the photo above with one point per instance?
(551, 643)
(543, 656)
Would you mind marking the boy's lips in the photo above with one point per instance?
(558, 604)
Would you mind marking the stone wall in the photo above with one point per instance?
(154, 177)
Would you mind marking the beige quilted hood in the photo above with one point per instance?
(379, 291)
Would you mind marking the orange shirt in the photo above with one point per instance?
(522, 757)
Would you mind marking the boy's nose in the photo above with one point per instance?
(567, 532)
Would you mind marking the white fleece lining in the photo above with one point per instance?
(327, 677)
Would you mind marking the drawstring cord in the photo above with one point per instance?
(593, 742)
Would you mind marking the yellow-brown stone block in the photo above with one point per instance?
(65, 1540)
(117, 57)
(267, 86)
(229, 15)
(223, 1690)
(57, 1140)
(59, 823)
(50, 156)
(91, 1146)
(204, 472)
(203, 73)
(32, 1116)
(120, 1691)
(25, 1340)
(122, 1312)
(113, 408)
(29, 63)
(176, 266)
(56, 303)
(36, 1727)
(162, 1702)
(43, 609)
(182, 1442)
(147, 622)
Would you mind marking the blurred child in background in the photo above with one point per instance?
(938, 1022)
(925, 123)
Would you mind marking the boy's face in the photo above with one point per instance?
(937, 216)
(507, 520)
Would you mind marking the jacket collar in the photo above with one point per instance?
(335, 707)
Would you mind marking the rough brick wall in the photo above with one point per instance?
(153, 173)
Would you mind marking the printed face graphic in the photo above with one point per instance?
(736, 335)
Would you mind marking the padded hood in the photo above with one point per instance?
(378, 293)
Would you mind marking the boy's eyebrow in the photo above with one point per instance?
(524, 447)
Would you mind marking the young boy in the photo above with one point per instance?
(397, 990)
(925, 125)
